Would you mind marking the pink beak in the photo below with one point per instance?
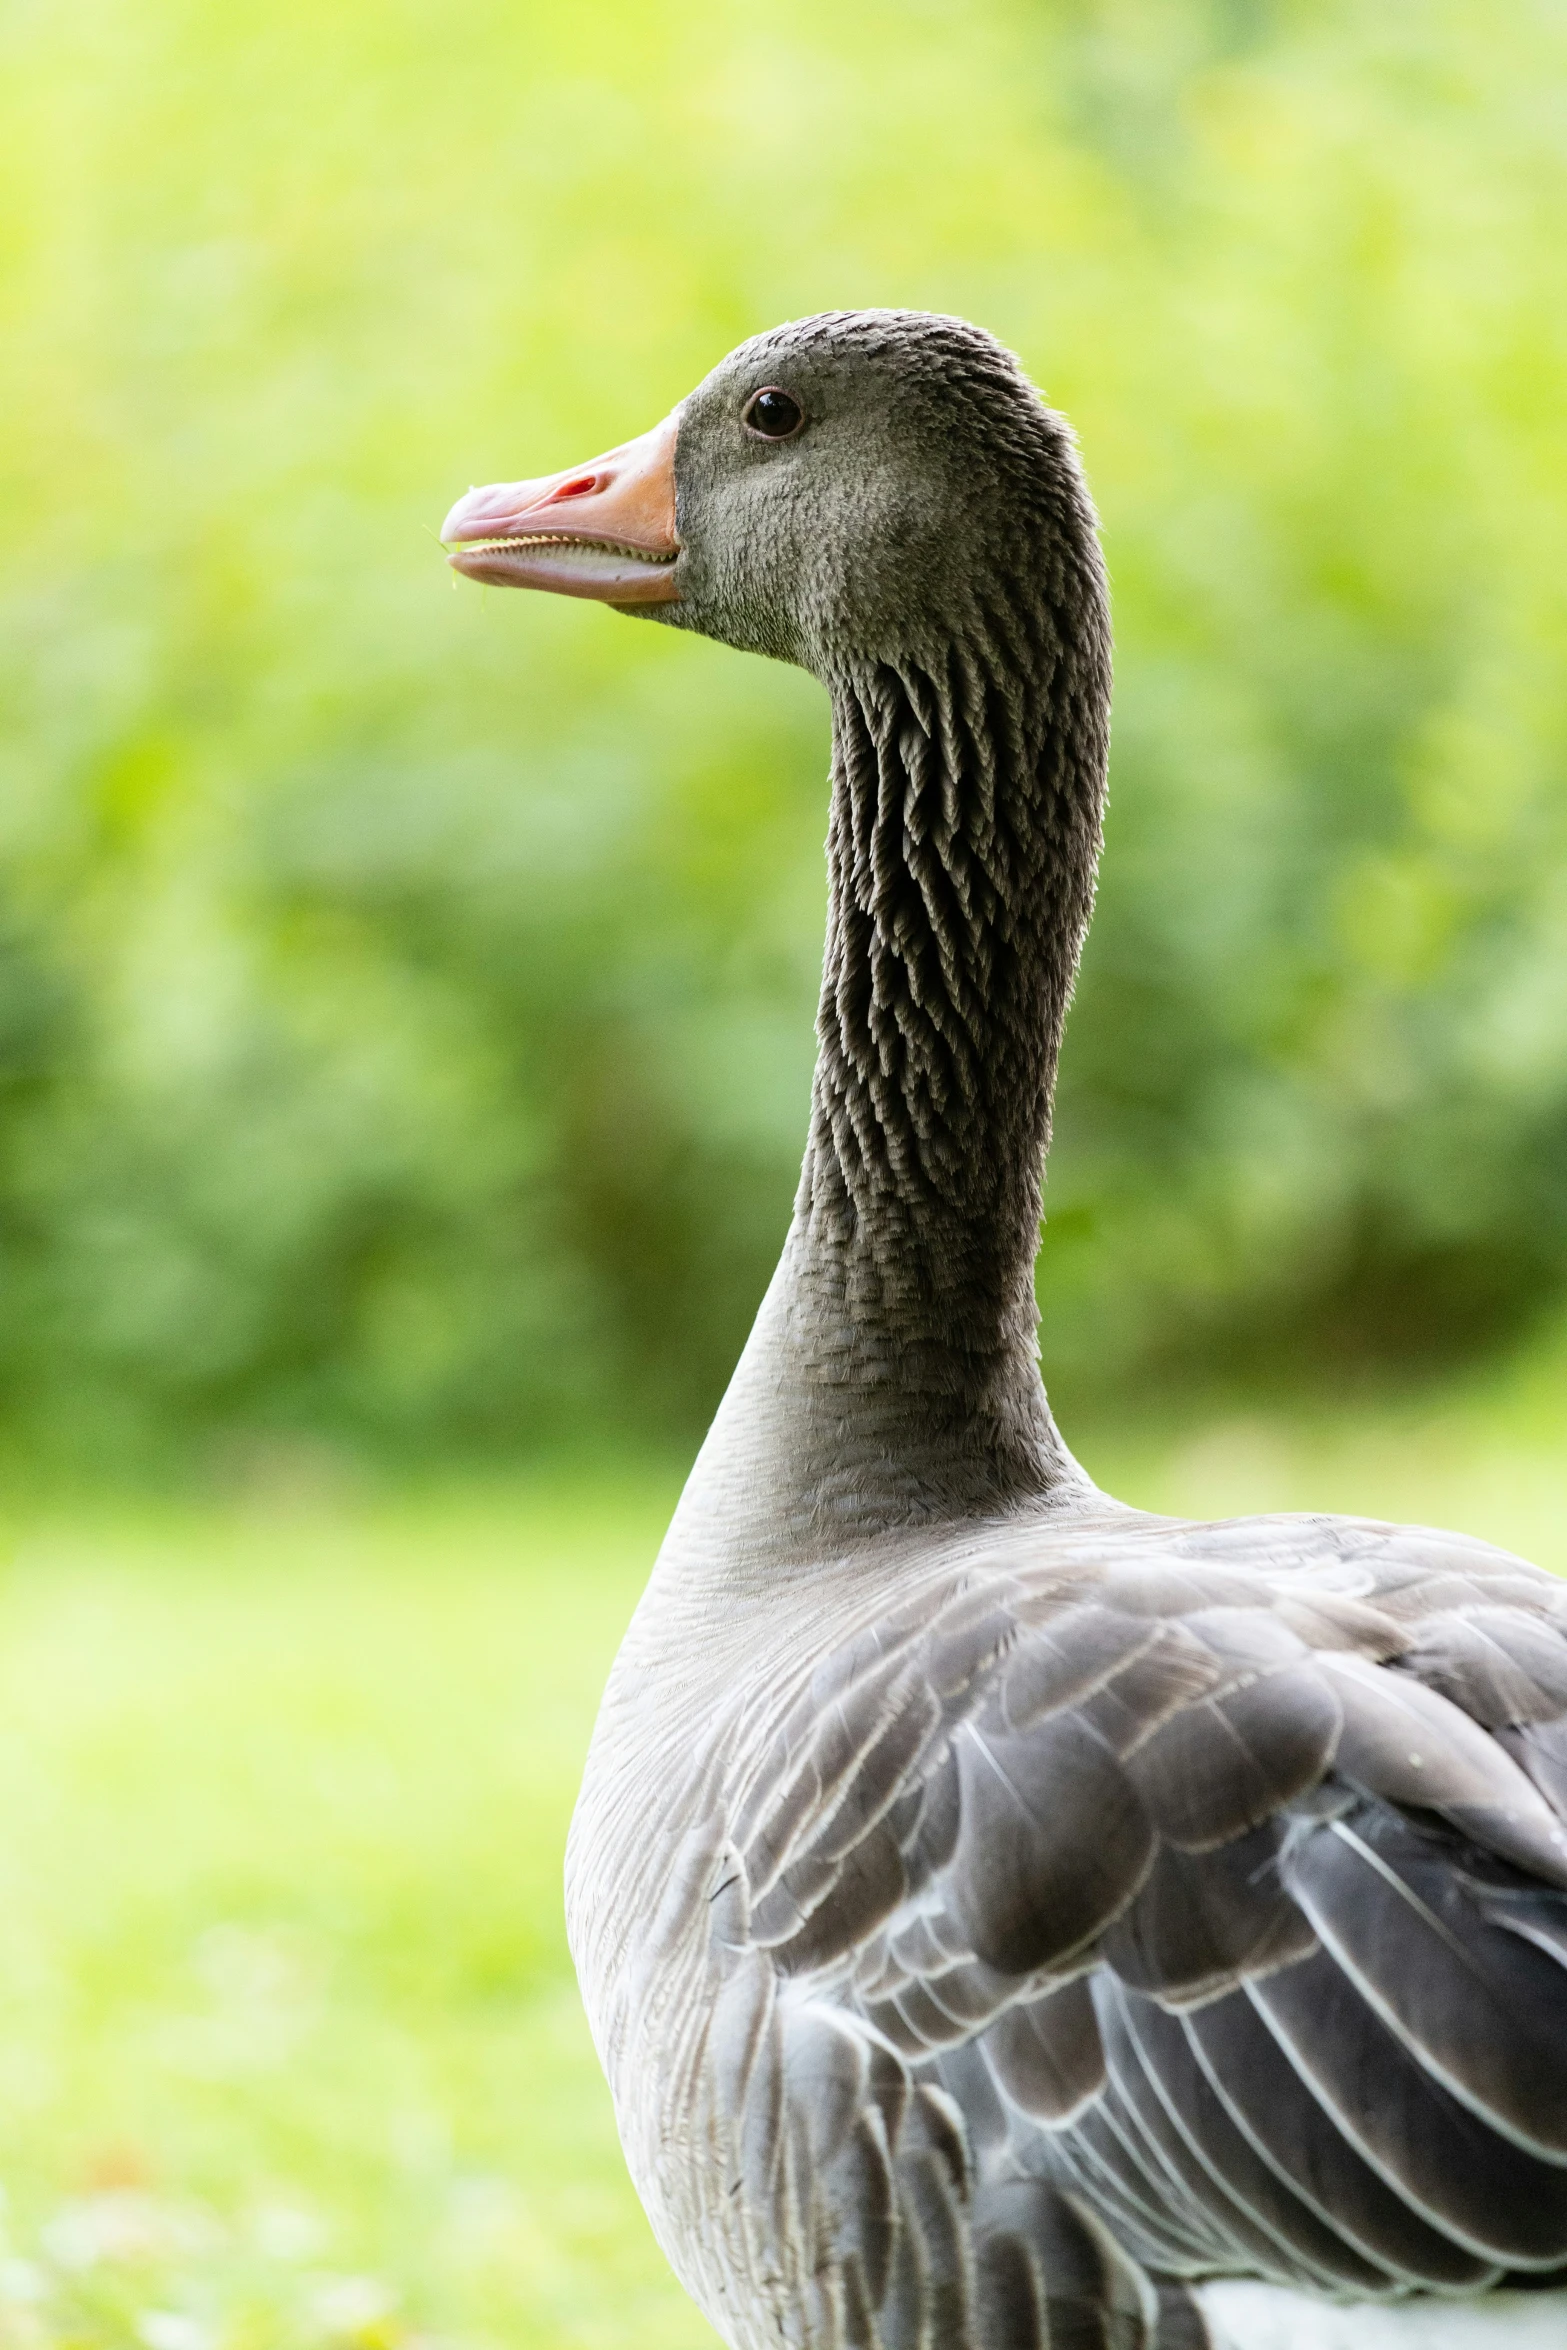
(605, 529)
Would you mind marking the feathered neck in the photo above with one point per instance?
(892, 1377)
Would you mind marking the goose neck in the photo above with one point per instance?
(893, 1375)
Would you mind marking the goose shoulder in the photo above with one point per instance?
(1042, 1720)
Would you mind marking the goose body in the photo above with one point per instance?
(1010, 1921)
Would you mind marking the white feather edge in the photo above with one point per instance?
(1242, 2315)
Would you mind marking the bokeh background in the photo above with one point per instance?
(405, 995)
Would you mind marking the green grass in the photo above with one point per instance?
(290, 2052)
(289, 2042)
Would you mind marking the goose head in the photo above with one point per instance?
(844, 490)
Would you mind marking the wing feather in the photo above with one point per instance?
(1487, 2193)
(1291, 2236)
(1303, 2145)
(1482, 2009)
(1202, 1890)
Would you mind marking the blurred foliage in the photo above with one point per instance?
(405, 996)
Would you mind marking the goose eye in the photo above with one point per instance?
(773, 414)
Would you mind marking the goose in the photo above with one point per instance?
(1009, 1920)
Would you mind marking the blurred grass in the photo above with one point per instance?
(290, 2051)
(289, 2043)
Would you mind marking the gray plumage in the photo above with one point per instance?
(1001, 1912)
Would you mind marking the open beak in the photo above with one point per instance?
(605, 529)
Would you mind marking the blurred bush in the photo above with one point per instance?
(405, 997)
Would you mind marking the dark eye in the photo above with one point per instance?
(773, 414)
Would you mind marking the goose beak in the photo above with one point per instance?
(605, 529)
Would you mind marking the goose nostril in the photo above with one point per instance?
(578, 487)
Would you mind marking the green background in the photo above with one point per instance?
(405, 994)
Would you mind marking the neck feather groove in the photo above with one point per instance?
(897, 1346)
(961, 852)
